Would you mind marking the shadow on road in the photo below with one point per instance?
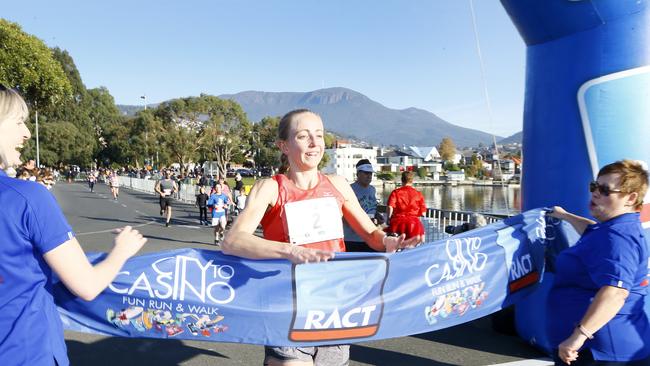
(178, 241)
(479, 336)
(129, 351)
(375, 356)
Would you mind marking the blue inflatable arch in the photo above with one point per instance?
(587, 104)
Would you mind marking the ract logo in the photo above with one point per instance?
(351, 308)
(355, 317)
(521, 268)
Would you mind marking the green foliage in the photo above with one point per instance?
(449, 166)
(263, 147)
(203, 126)
(28, 65)
(385, 175)
(422, 172)
(474, 168)
(330, 139)
(64, 143)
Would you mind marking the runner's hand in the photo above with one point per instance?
(300, 255)
(128, 242)
(393, 243)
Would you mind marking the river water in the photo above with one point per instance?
(483, 199)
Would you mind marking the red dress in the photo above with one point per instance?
(274, 222)
(408, 205)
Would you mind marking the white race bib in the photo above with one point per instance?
(314, 220)
(167, 192)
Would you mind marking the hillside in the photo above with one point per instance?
(352, 114)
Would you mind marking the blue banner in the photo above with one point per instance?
(205, 295)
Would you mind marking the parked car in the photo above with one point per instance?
(266, 171)
(245, 172)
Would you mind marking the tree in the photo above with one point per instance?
(264, 135)
(28, 65)
(204, 125)
(474, 168)
(224, 132)
(447, 149)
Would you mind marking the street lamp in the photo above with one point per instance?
(146, 134)
(256, 142)
(38, 152)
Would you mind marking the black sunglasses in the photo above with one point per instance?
(602, 189)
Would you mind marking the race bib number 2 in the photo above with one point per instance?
(313, 220)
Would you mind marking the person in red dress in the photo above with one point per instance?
(405, 206)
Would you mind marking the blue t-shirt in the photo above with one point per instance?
(367, 197)
(218, 203)
(611, 253)
(31, 224)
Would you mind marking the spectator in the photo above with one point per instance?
(367, 197)
(36, 241)
(405, 207)
(596, 305)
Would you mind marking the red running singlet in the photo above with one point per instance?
(274, 222)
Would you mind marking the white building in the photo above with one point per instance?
(343, 160)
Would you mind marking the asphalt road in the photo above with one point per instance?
(93, 217)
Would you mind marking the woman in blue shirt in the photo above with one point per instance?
(35, 239)
(596, 305)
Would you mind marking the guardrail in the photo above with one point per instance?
(436, 220)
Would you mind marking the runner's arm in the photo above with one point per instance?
(241, 241)
(83, 279)
(157, 188)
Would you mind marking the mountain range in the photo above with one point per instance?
(351, 114)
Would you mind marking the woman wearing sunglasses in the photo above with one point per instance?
(596, 314)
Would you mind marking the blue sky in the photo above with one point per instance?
(401, 53)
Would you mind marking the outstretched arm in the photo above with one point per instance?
(579, 223)
(83, 279)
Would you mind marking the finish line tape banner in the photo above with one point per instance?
(205, 295)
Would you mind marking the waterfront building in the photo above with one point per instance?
(343, 160)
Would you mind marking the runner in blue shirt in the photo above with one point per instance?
(219, 202)
(596, 304)
(35, 239)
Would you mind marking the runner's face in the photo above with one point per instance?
(306, 144)
(13, 133)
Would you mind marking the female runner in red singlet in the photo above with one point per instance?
(300, 210)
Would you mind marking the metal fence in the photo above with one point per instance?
(186, 193)
(435, 221)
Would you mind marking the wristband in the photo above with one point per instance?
(584, 332)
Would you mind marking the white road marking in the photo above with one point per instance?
(123, 205)
(111, 230)
(531, 362)
(189, 226)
